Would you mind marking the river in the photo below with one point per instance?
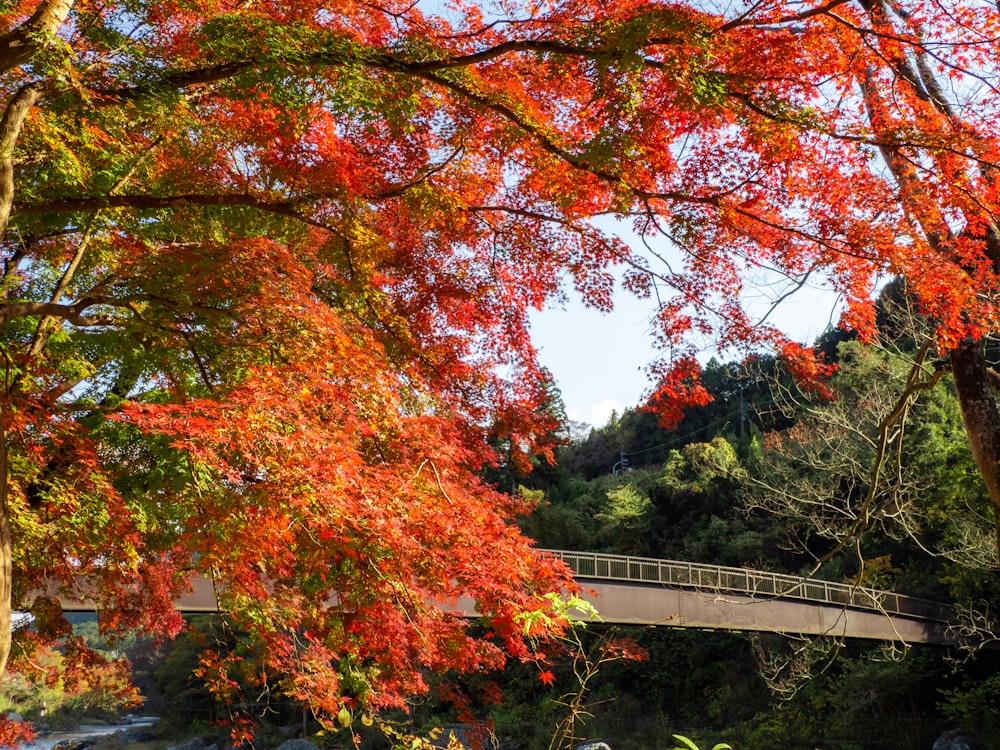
(46, 741)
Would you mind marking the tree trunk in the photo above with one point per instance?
(21, 44)
(6, 554)
(981, 417)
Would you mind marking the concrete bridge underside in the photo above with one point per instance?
(651, 604)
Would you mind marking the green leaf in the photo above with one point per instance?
(344, 717)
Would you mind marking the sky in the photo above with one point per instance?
(598, 359)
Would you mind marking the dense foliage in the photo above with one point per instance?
(714, 498)
(266, 270)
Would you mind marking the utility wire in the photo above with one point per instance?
(695, 431)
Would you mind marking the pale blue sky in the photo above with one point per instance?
(598, 359)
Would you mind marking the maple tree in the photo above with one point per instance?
(267, 271)
(268, 354)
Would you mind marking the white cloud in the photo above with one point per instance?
(597, 415)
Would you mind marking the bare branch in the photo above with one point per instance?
(72, 313)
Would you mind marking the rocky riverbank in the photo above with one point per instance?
(140, 739)
(133, 730)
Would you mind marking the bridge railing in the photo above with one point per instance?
(753, 582)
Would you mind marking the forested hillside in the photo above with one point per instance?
(872, 482)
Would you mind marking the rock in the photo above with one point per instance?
(75, 744)
(15, 718)
(290, 730)
(135, 735)
(297, 744)
(599, 746)
(956, 739)
(196, 743)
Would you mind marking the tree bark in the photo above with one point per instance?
(981, 417)
(10, 130)
(6, 554)
(20, 45)
(16, 48)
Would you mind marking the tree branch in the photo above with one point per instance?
(86, 204)
(824, 9)
(21, 44)
(72, 313)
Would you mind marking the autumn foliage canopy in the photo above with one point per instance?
(267, 268)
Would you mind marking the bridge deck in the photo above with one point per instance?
(643, 591)
(645, 604)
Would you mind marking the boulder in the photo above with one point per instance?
(297, 744)
(131, 736)
(956, 739)
(75, 744)
(594, 746)
(197, 743)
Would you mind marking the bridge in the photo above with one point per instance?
(669, 593)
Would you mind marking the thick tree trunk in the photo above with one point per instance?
(17, 47)
(982, 419)
(21, 44)
(6, 555)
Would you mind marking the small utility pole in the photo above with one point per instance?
(622, 465)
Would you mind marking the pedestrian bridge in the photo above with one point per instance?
(668, 593)
(643, 591)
